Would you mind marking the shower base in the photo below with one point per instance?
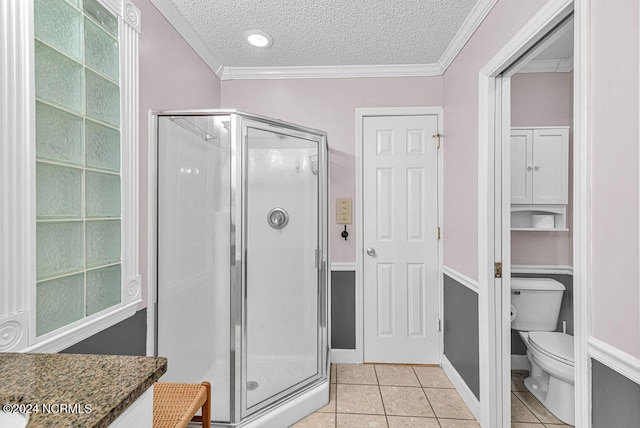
(290, 411)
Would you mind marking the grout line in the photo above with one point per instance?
(386, 418)
(525, 406)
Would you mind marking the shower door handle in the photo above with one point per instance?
(371, 251)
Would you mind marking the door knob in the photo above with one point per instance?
(371, 251)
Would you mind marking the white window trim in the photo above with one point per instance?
(17, 183)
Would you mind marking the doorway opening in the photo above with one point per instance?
(529, 220)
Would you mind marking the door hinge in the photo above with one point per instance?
(438, 232)
(497, 270)
(438, 136)
(439, 325)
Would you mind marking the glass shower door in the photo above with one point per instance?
(281, 301)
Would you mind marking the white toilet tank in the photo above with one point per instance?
(535, 303)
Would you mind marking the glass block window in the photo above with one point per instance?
(78, 158)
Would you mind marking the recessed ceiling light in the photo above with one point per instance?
(258, 38)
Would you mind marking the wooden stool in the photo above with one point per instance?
(175, 404)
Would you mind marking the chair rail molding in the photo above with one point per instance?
(461, 278)
(625, 364)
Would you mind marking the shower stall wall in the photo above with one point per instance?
(242, 263)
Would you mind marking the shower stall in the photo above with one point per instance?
(242, 263)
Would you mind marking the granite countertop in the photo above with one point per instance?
(106, 383)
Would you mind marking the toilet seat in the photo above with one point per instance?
(555, 345)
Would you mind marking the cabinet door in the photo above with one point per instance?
(521, 153)
(550, 166)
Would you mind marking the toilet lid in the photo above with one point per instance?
(554, 344)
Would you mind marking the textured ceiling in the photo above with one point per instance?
(327, 32)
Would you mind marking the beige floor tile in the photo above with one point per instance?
(333, 373)
(526, 425)
(357, 374)
(405, 401)
(538, 409)
(557, 425)
(458, 423)
(517, 380)
(360, 421)
(447, 403)
(317, 420)
(412, 422)
(520, 412)
(432, 377)
(331, 407)
(364, 399)
(396, 375)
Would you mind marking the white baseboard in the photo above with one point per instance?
(345, 356)
(520, 362)
(461, 386)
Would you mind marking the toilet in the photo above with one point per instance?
(535, 306)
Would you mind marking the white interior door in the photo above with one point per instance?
(400, 215)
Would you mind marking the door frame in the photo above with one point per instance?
(494, 242)
(357, 355)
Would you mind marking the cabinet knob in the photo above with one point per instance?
(529, 168)
(535, 168)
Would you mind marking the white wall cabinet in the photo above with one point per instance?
(539, 176)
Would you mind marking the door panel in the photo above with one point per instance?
(400, 172)
(550, 152)
(281, 234)
(521, 153)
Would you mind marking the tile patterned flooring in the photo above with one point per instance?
(394, 396)
(526, 410)
(385, 395)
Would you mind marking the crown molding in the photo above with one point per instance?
(175, 18)
(469, 26)
(331, 71)
(548, 66)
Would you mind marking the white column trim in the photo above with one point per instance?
(461, 278)
(17, 174)
(582, 212)
(131, 279)
(625, 364)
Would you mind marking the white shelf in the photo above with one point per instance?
(534, 229)
(522, 217)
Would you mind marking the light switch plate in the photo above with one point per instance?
(343, 210)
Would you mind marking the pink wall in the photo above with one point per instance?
(614, 198)
(172, 76)
(544, 99)
(461, 130)
(329, 105)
